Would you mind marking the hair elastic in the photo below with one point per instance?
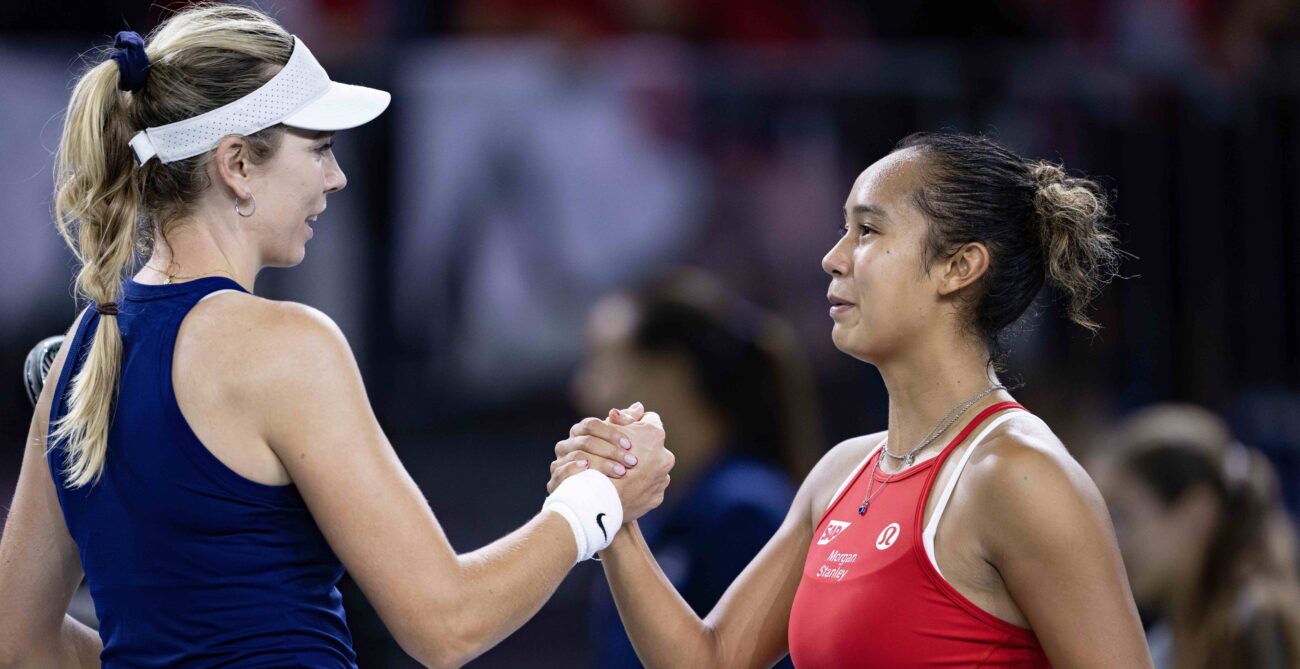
(132, 61)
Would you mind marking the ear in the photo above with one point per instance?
(233, 165)
(964, 267)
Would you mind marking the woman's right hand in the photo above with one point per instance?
(639, 469)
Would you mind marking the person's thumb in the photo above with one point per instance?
(626, 416)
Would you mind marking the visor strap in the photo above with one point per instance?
(142, 147)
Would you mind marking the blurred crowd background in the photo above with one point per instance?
(566, 193)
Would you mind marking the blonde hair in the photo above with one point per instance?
(109, 210)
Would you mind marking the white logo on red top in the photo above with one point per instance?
(833, 530)
(888, 536)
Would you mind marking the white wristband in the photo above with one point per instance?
(590, 503)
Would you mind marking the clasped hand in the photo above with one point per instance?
(628, 447)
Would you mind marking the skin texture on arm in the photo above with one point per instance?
(39, 564)
(1047, 532)
(749, 625)
(305, 392)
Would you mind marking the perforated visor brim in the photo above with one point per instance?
(342, 107)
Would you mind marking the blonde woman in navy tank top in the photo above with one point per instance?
(207, 458)
(965, 535)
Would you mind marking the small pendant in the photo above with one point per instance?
(908, 459)
(862, 510)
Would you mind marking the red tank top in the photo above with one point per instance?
(871, 597)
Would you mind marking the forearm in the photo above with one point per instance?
(503, 584)
(663, 628)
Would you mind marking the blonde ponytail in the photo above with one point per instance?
(96, 206)
(109, 210)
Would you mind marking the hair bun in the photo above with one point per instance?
(1080, 253)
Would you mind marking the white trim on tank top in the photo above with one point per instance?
(932, 528)
(852, 475)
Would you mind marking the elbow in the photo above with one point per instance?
(456, 643)
(441, 640)
(440, 653)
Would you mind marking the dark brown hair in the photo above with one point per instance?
(1038, 223)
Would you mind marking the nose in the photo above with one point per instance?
(335, 179)
(836, 261)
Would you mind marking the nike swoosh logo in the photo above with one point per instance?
(601, 524)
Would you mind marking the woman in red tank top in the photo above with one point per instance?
(966, 535)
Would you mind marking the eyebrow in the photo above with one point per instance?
(865, 209)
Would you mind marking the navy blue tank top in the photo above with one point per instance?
(190, 564)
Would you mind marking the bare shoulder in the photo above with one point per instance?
(833, 469)
(262, 335)
(259, 353)
(1030, 489)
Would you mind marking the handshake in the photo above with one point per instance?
(609, 472)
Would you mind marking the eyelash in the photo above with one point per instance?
(844, 229)
(325, 148)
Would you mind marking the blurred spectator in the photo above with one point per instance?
(1210, 552)
(737, 402)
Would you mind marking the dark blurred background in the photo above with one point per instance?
(540, 154)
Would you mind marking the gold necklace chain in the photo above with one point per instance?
(172, 277)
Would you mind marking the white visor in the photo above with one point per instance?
(300, 95)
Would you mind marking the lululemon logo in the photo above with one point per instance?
(887, 536)
(832, 530)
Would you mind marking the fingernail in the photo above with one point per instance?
(620, 470)
(630, 459)
(622, 441)
(582, 463)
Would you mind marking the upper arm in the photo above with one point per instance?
(1049, 535)
(309, 400)
(39, 564)
(752, 620)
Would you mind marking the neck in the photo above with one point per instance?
(928, 383)
(200, 248)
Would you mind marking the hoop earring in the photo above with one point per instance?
(249, 214)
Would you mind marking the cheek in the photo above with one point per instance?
(890, 289)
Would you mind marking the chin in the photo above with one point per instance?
(852, 346)
(288, 260)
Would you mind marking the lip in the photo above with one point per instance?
(839, 305)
